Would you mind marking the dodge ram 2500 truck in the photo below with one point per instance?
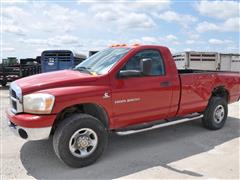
(122, 89)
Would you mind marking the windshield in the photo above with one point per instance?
(103, 61)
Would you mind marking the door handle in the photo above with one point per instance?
(165, 84)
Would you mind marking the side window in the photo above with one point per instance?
(157, 62)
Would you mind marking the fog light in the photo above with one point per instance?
(22, 133)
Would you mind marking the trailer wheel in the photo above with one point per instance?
(80, 140)
(215, 114)
(4, 83)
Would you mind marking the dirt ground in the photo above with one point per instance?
(181, 151)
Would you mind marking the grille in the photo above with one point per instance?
(15, 97)
(13, 94)
(14, 105)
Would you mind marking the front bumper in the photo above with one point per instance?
(30, 134)
(31, 120)
(30, 127)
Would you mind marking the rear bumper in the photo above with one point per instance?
(234, 98)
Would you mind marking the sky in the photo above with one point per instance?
(28, 26)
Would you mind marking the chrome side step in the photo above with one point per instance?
(123, 133)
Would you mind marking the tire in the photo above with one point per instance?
(4, 83)
(215, 114)
(66, 138)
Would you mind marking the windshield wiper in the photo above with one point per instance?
(84, 69)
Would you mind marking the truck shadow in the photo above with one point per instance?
(130, 154)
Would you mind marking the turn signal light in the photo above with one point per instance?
(137, 44)
(118, 45)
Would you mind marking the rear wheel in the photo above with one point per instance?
(80, 140)
(215, 114)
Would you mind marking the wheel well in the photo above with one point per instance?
(95, 110)
(221, 92)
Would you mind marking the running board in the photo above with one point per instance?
(123, 133)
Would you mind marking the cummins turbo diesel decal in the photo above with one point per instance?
(126, 100)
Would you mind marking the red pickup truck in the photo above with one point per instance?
(122, 89)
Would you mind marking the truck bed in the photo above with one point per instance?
(197, 87)
(190, 71)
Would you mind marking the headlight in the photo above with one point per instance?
(38, 103)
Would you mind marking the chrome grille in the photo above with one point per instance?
(13, 93)
(14, 105)
(15, 98)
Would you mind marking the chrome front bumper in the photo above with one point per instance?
(30, 134)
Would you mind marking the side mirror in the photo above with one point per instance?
(129, 73)
(146, 66)
(145, 69)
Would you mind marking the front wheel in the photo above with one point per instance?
(215, 114)
(79, 140)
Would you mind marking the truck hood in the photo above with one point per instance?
(55, 79)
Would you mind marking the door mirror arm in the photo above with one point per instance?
(129, 73)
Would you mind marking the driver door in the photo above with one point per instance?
(143, 98)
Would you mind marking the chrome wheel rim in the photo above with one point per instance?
(219, 113)
(83, 142)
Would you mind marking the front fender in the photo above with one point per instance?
(70, 96)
